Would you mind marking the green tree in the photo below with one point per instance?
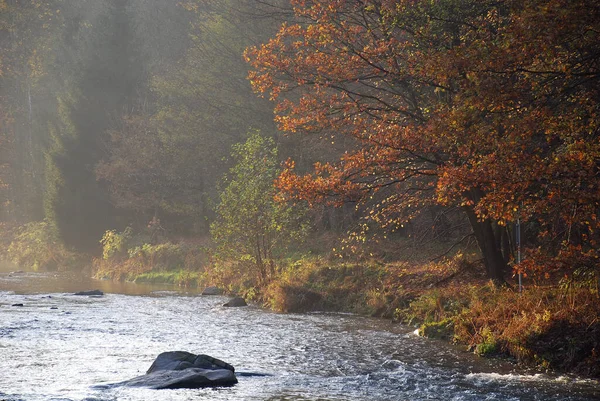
(165, 160)
(29, 31)
(110, 76)
(251, 225)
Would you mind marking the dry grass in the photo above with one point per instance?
(549, 326)
(544, 326)
(367, 287)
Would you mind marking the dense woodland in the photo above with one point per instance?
(220, 138)
(118, 111)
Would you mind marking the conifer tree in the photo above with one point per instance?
(109, 76)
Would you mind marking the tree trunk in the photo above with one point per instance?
(495, 265)
(259, 262)
(489, 245)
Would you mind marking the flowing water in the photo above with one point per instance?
(59, 346)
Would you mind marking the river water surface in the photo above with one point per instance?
(58, 346)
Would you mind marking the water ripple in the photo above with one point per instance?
(65, 353)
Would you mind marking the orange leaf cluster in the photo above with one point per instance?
(447, 99)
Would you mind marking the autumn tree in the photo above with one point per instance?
(490, 106)
(251, 225)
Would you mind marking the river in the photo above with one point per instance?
(59, 346)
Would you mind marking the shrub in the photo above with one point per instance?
(252, 228)
(114, 244)
(488, 345)
(290, 298)
(443, 329)
(165, 256)
(36, 246)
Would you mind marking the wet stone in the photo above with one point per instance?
(180, 369)
(187, 378)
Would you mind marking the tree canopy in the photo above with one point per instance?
(492, 106)
(119, 111)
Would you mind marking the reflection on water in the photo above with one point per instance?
(62, 353)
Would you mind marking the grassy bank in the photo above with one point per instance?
(182, 278)
(170, 263)
(549, 326)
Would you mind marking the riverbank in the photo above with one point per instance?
(547, 326)
(299, 356)
(551, 325)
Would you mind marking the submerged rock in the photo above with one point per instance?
(212, 291)
(237, 301)
(180, 369)
(91, 293)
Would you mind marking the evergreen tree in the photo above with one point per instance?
(110, 74)
(167, 159)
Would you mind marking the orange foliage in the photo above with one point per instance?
(445, 100)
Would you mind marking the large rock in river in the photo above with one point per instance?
(180, 360)
(180, 369)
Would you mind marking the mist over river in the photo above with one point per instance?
(58, 346)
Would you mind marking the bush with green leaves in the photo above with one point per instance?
(36, 246)
(252, 228)
(115, 244)
(126, 256)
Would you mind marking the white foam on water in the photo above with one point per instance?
(521, 378)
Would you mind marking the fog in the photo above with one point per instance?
(117, 111)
